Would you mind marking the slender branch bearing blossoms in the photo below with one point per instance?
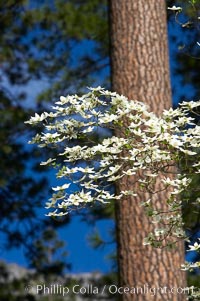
(90, 161)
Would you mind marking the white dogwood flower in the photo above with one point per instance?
(175, 8)
(63, 187)
(194, 247)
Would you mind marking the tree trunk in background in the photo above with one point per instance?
(140, 71)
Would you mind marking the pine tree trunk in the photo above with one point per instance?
(140, 70)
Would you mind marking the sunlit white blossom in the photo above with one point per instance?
(175, 8)
(194, 247)
(63, 187)
(50, 160)
(37, 118)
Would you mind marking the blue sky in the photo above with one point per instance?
(82, 256)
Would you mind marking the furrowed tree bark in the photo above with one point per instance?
(140, 71)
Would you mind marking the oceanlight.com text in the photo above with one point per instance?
(90, 289)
